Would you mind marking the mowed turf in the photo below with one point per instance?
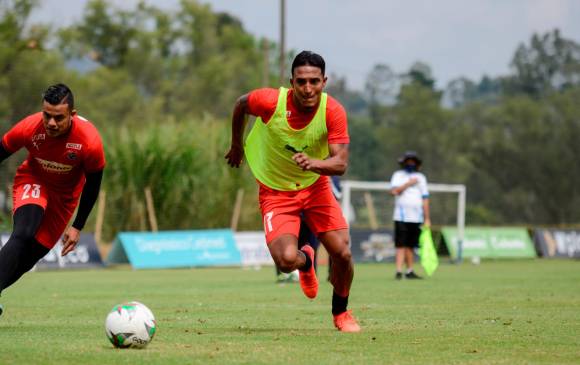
(501, 312)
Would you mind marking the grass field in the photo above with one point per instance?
(506, 312)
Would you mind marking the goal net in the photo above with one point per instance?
(368, 206)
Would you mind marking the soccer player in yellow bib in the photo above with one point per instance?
(299, 138)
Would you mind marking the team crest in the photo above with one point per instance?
(71, 155)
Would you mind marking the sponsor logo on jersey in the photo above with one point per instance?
(55, 167)
(36, 138)
(39, 137)
(74, 146)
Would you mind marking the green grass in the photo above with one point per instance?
(506, 312)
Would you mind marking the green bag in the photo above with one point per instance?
(427, 252)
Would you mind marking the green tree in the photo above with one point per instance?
(105, 34)
(25, 66)
(526, 151)
(190, 61)
(420, 73)
(550, 62)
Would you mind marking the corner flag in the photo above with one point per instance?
(427, 252)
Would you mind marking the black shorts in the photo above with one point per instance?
(407, 234)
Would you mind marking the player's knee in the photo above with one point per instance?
(286, 261)
(343, 256)
(285, 266)
(24, 233)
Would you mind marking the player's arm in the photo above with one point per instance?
(239, 119)
(425, 196)
(89, 196)
(14, 139)
(338, 143)
(397, 190)
(335, 164)
(426, 212)
(4, 153)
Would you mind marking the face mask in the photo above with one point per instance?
(410, 168)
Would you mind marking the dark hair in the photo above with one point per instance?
(59, 94)
(308, 58)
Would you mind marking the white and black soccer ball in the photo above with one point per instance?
(130, 324)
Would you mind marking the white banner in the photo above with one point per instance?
(253, 248)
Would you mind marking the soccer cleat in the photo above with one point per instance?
(345, 322)
(1, 309)
(412, 275)
(308, 279)
(398, 275)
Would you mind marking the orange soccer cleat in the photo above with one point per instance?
(308, 279)
(345, 322)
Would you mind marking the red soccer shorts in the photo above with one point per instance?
(281, 210)
(58, 208)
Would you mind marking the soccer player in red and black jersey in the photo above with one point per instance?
(299, 139)
(65, 161)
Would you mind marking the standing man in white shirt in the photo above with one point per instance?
(409, 186)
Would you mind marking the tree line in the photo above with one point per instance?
(160, 85)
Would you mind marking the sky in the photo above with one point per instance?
(457, 38)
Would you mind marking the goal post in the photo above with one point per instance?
(348, 186)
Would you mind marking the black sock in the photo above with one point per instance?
(339, 304)
(307, 264)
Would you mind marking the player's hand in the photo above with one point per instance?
(70, 240)
(305, 162)
(427, 223)
(235, 156)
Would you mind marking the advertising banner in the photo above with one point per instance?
(146, 250)
(490, 242)
(85, 255)
(253, 248)
(563, 243)
(372, 245)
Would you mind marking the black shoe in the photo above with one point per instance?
(412, 275)
(398, 276)
(1, 309)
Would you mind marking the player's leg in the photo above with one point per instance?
(307, 237)
(337, 245)
(324, 216)
(22, 251)
(284, 251)
(412, 242)
(409, 258)
(400, 250)
(287, 256)
(32, 253)
(281, 215)
(399, 261)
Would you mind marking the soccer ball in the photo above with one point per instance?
(130, 324)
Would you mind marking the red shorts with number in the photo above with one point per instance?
(58, 208)
(281, 210)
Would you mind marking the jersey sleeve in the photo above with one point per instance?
(262, 103)
(95, 159)
(336, 122)
(15, 138)
(423, 187)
